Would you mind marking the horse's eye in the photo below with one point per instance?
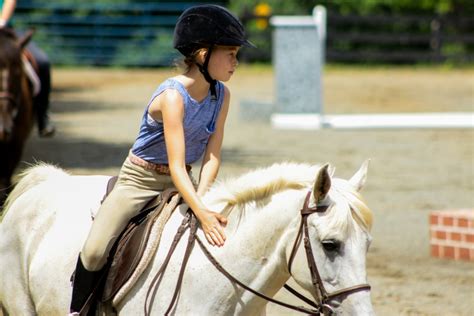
(331, 245)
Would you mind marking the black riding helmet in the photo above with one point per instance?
(206, 26)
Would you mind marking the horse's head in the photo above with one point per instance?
(11, 79)
(338, 224)
(284, 219)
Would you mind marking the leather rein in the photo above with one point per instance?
(322, 305)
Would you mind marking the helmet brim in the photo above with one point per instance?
(248, 43)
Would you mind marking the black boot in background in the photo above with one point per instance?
(41, 101)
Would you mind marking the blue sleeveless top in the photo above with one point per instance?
(199, 123)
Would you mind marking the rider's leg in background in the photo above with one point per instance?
(41, 101)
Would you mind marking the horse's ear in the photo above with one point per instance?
(25, 38)
(359, 178)
(322, 183)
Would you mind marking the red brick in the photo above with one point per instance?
(464, 254)
(435, 251)
(448, 221)
(448, 252)
(434, 219)
(452, 234)
(469, 238)
(455, 236)
(440, 234)
(463, 222)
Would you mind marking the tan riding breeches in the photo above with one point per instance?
(134, 188)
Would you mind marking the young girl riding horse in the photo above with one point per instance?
(183, 122)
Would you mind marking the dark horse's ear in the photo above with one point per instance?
(25, 38)
(322, 183)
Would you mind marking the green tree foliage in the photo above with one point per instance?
(435, 30)
(360, 6)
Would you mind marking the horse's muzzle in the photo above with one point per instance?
(5, 135)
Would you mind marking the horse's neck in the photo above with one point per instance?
(260, 241)
(254, 253)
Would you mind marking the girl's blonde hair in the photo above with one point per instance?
(187, 62)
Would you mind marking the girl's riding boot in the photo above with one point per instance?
(84, 284)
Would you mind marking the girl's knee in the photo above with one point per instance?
(92, 260)
(94, 256)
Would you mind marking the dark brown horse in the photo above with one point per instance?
(16, 106)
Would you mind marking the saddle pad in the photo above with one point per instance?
(135, 248)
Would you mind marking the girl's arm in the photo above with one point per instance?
(7, 11)
(212, 158)
(170, 108)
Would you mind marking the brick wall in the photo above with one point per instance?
(452, 234)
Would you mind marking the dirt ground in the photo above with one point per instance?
(412, 172)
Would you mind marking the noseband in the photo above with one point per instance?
(5, 95)
(322, 306)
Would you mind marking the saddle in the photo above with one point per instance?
(128, 250)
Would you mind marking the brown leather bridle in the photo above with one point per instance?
(5, 94)
(323, 298)
(322, 306)
(10, 107)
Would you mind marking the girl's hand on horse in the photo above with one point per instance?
(213, 226)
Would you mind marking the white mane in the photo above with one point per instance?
(259, 185)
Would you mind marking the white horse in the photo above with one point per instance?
(47, 218)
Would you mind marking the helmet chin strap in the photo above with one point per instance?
(207, 76)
